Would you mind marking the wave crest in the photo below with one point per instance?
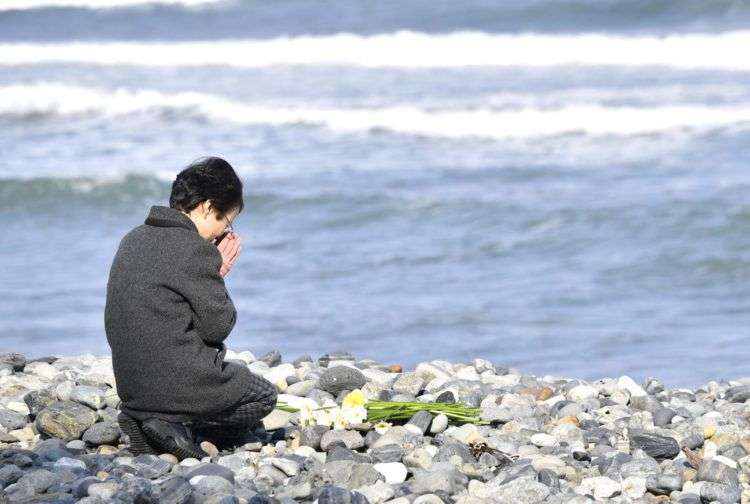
(406, 49)
(56, 99)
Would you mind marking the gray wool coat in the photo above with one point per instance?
(166, 316)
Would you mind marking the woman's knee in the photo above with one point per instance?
(271, 397)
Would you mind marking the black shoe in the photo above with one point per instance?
(172, 437)
(139, 444)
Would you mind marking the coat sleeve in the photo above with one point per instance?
(203, 287)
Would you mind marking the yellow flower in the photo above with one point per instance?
(354, 398)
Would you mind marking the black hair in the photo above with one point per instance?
(208, 178)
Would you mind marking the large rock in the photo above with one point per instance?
(339, 378)
(659, 447)
(14, 359)
(66, 420)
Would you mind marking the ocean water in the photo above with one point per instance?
(560, 186)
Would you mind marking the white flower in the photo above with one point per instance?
(339, 419)
(325, 413)
(355, 414)
(306, 415)
(323, 417)
(382, 426)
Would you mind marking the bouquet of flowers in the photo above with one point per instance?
(356, 409)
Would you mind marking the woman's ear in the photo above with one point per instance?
(206, 207)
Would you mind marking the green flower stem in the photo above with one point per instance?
(390, 410)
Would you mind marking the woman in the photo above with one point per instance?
(167, 314)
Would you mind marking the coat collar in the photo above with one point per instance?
(165, 216)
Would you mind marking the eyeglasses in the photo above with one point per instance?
(229, 228)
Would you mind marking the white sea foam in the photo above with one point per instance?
(406, 49)
(6, 5)
(56, 99)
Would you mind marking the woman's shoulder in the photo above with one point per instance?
(177, 243)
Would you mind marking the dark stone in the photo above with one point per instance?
(49, 359)
(14, 359)
(339, 453)
(549, 477)
(272, 358)
(12, 456)
(581, 455)
(339, 378)
(330, 494)
(358, 498)
(659, 447)
(136, 490)
(263, 499)
(175, 490)
(37, 400)
(422, 420)
(446, 397)
(387, 453)
(738, 394)
(9, 474)
(52, 449)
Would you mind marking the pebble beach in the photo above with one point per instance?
(545, 439)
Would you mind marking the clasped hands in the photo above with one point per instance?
(230, 248)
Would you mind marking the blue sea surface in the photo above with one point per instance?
(552, 185)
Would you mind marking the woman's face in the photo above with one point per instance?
(206, 219)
